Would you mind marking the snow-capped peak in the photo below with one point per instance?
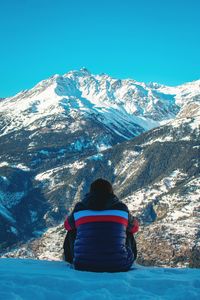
(117, 103)
(78, 73)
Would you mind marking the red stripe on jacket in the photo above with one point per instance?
(67, 225)
(135, 226)
(89, 219)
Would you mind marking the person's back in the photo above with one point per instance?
(101, 222)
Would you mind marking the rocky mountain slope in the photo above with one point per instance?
(157, 175)
(55, 144)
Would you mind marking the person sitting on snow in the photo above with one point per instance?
(100, 232)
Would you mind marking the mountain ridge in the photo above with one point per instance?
(65, 132)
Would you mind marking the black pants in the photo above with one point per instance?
(68, 245)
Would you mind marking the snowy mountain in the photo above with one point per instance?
(68, 130)
(118, 104)
(28, 279)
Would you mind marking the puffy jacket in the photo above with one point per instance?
(100, 243)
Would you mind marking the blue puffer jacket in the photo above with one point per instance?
(100, 243)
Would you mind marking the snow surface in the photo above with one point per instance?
(18, 166)
(34, 279)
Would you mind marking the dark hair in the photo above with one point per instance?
(100, 192)
(101, 186)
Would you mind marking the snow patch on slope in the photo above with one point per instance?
(178, 213)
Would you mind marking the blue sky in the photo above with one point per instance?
(148, 40)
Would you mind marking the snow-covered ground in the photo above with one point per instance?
(35, 279)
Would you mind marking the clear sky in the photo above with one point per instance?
(147, 40)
